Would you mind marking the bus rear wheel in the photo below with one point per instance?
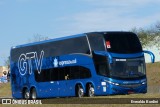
(79, 91)
(90, 90)
(33, 94)
(26, 94)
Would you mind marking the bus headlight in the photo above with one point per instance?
(116, 84)
(144, 82)
(112, 83)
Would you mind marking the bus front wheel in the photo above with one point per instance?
(79, 91)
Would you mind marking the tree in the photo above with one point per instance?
(37, 38)
(158, 26)
(7, 62)
(149, 37)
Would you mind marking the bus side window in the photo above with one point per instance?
(67, 73)
(74, 72)
(64, 73)
(102, 69)
(84, 72)
(46, 74)
(61, 74)
(54, 74)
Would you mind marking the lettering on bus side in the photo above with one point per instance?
(62, 63)
(24, 62)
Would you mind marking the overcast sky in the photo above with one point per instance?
(20, 20)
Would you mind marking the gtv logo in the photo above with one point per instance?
(24, 62)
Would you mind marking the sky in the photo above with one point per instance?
(20, 20)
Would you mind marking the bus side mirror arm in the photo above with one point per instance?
(151, 54)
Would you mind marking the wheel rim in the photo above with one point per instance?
(90, 91)
(26, 95)
(80, 92)
(34, 95)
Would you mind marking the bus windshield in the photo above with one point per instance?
(127, 68)
(123, 43)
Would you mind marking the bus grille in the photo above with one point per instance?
(130, 85)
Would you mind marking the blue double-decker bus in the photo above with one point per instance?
(96, 63)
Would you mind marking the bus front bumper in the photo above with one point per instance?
(127, 89)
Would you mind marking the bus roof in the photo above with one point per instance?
(65, 37)
(47, 41)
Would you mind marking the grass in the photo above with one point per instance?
(153, 76)
(5, 90)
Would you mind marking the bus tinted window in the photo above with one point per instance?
(96, 41)
(122, 42)
(55, 48)
(101, 65)
(74, 73)
(84, 73)
(65, 73)
(53, 74)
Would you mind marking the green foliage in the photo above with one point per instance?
(149, 37)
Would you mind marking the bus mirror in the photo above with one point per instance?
(151, 54)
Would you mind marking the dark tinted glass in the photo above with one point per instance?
(55, 48)
(96, 41)
(122, 42)
(65, 73)
(128, 69)
(101, 65)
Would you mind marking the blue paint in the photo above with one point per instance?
(151, 54)
(103, 85)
